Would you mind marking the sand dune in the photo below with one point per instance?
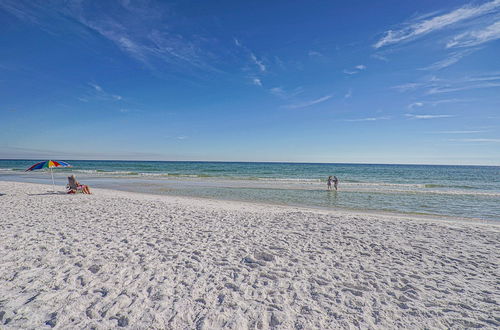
(117, 259)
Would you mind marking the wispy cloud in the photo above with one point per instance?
(458, 132)
(412, 116)
(436, 85)
(436, 22)
(257, 82)
(308, 103)
(258, 62)
(369, 119)
(481, 140)
(380, 57)
(348, 95)
(476, 37)
(103, 94)
(415, 105)
(463, 87)
(449, 60)
(138, 29)
(100, 94)
(253, 63)
(286, 94)
(434, 103)
(313, 53)
(356, 69)
(407, 86)
(96, 87)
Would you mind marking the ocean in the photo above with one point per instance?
(449, 191)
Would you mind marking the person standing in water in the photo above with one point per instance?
(329, 182)
(335, 182)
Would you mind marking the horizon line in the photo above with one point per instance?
(261, 162)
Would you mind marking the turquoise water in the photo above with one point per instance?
(457, 191)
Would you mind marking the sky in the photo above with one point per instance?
(397, 81)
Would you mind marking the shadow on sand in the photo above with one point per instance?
(49, 193)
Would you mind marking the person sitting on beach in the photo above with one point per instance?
(75, 186)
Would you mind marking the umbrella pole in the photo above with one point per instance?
(53, 183)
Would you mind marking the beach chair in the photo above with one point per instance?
(73, 187)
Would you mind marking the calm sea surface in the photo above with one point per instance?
(457, 191)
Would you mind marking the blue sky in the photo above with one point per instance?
(305, 81)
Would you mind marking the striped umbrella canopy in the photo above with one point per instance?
(50, 164)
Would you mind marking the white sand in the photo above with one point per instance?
(141, 261)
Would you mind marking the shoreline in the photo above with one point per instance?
(122, 187)
(139, 260)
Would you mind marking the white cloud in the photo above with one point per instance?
(415, 105)
(313, 53)
(369, 119)
(100, 93)
(477, 37)
(452, 88)
(136, 28)
(350, 72)
(308, 103)
(428, 25)
(459, 132)
(411, 116)
(348, 94)
(258, 62)
(278, 91)
(407, 86)
(286, 94)
(257, 82)
(476, 140)
(355, 70)
(380, 57)
(435, 85)
(449, 60)
(96, 87)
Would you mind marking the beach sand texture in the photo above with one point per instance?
(118, 259)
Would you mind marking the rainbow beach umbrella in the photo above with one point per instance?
(50, 164)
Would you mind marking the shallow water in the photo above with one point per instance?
(458, 191)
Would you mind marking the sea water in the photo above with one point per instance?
(455, 191)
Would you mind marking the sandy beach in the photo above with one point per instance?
(119, 259)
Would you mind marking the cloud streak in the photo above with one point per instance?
(257, 82)
(435, 23)
(449, 60)
(459, 132)
(101, 94)
(356, 69)
(368, 119)
(477, 37)
(476, 140)
(308, 103)
(435, 85)
(137, 29)
(258, 62)
(411, 116)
